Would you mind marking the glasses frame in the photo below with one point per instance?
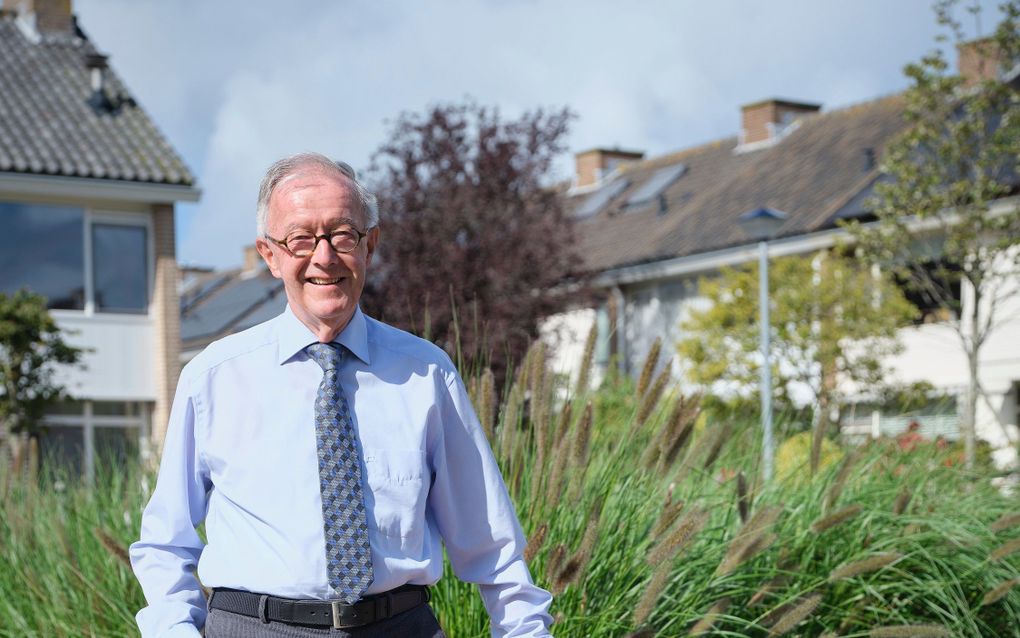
(282, 243)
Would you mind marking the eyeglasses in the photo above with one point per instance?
(302, 243)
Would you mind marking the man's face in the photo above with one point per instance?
(323, 288)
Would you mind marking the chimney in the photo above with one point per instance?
(593, 165)
(765, 121)
(980, 60)
(48, 16)
(252, 260)
(96, 64)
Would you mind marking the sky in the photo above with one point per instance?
(235, 85)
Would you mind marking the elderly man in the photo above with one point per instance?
(328, 454)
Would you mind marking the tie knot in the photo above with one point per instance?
(327, 355)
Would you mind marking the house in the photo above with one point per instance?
(218, 303)
(88, 186)
(650, 228)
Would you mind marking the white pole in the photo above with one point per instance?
(768, 445)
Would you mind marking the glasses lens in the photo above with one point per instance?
(344, 241)
(301, 243)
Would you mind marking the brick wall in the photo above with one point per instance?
(591, 166)
(50, 15)
(166, 312)
(760, 119)
(978, 60)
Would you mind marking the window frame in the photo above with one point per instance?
(88, 422)
(118, 218)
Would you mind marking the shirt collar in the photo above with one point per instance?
(294, 336)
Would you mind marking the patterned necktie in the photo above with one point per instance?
(348, 554)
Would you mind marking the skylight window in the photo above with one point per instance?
(597, 200)
(656, 184)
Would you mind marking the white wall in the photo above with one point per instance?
(121, 365)
(932, 352)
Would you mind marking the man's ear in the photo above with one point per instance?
(370, 242)
(269, 255)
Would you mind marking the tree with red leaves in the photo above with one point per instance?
(474, 231)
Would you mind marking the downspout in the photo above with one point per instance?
(621, 329)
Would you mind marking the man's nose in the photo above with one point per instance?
(324, 253)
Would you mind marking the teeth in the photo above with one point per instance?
(323, 282)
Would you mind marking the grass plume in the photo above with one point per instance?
(651, 361)
(652, 592)
(1005, 522)
(864, 566)
(836, 519)
(679, 538)
(910, 631)
(1004, 550)
(711, 616)
(999, 592)
(584, 374)
(902, 501)
(651, 399)
(795, 614)
(743, 497)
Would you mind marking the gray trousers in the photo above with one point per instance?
(419, 622)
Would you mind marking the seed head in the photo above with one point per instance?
(902, 501)
(535, 542)
(646, 372)
(910, 631)
(836, 518)
(653, 590)
(796, 614)
(864, 566)
(999, 591)
(680, 538)
(1005, 522)
(710, 617)
(1006, 549)
(584, 373)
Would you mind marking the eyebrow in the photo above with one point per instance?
(343, 221)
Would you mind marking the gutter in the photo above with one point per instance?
(92, 188)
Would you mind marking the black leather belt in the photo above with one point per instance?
(322, 613)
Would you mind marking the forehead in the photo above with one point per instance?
(313, 198)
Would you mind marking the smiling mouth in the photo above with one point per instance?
(319, 281)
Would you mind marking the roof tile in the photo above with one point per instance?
(48, 126)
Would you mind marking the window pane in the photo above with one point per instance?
(114, 408)
(66, 408)
(119, 268)
(42, 248)
(115, 446)
(62, 449)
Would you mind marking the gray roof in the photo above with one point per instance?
(226, 302)
(821, 172)
(48, 125)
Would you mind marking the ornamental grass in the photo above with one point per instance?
(647, 518)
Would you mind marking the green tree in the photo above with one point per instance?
(31, 350)
(940, 225)
(833, 321)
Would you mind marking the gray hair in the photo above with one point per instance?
(288, 166)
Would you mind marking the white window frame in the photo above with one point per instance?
(119, 218)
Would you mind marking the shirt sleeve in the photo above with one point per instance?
(476, 519)
(166, 555)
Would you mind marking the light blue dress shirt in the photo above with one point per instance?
(240, 454)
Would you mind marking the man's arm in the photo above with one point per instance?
(476, 518)
(165, 556)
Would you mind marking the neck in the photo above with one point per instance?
(323, 331)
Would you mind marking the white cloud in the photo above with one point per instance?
(235, 85)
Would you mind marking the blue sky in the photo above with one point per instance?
(236, 85)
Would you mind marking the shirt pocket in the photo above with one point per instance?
(397, 491)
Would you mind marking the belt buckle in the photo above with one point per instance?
(337, 621)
